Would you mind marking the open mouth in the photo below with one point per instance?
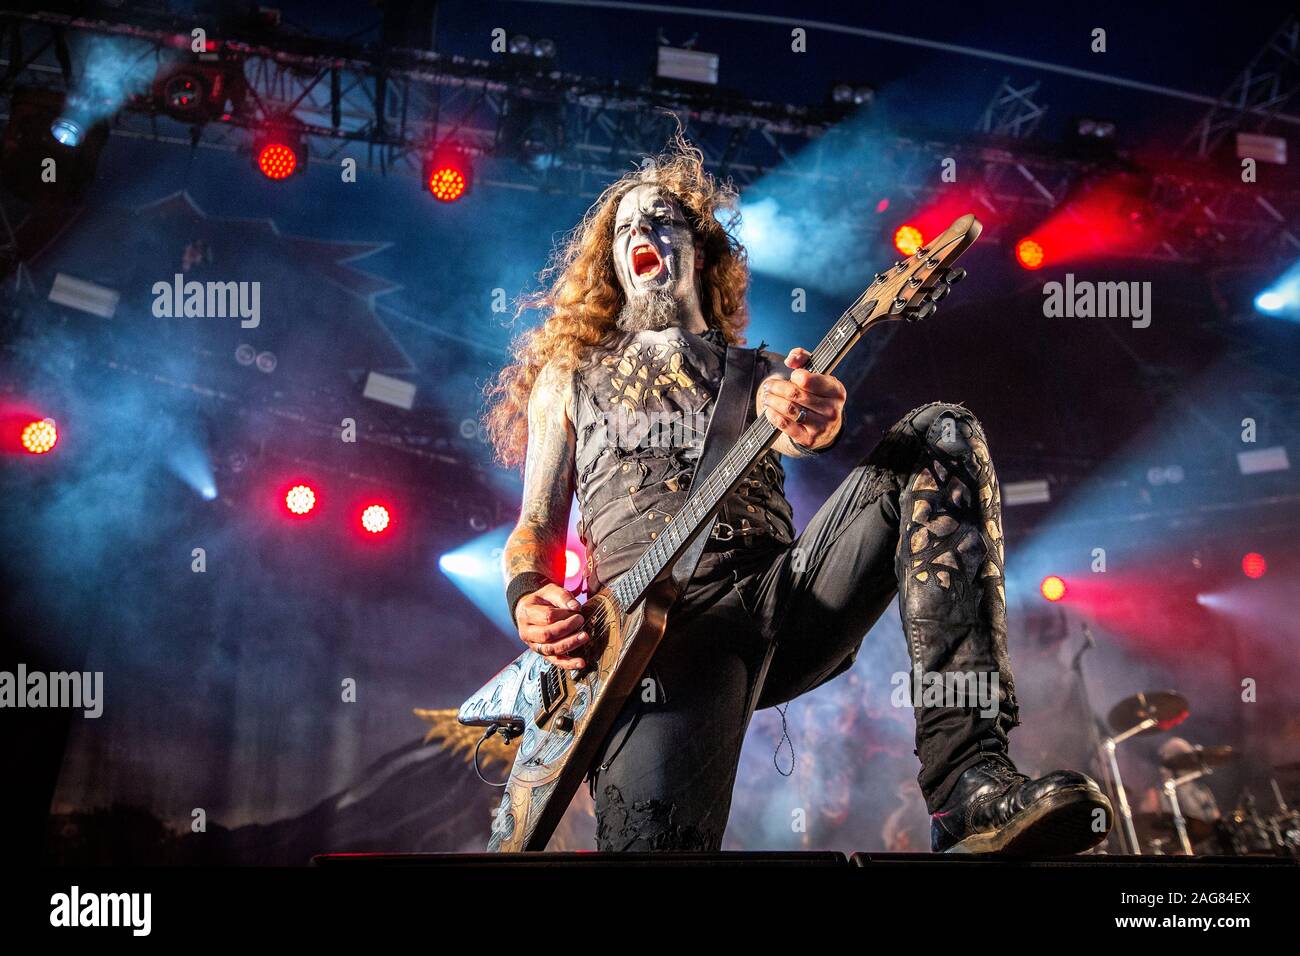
(646, 262)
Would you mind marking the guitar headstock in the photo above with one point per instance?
(912, 288)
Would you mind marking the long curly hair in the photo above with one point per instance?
(580, 289)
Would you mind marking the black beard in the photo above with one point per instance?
(651, 311)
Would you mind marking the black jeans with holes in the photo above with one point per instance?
(919, 517)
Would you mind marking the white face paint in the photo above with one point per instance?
(654, 250)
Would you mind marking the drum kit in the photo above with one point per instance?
(1245, 831)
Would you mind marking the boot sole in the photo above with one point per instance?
(1059, 824)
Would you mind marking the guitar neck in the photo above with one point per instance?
(697, 514)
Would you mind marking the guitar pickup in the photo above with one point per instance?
(552, 686)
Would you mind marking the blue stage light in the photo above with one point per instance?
(67, 131)
(188, 462)
(475, 569)
(460, 564)
(1270, 302)
(1282, 298)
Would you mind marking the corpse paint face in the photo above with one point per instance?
(654, 256)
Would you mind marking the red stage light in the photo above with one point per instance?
(375, 518)
(448, 172)
(40, 436)
(572, 563)
(1253, 565)
(1053, 588)
(907, 239)
(300, 499)
(447, 183)
(1029, 253)
(277, 160)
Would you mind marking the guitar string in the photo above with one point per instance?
(712, 487)
(647, 567)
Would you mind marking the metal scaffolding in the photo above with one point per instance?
(1257, 95)
(533, 128)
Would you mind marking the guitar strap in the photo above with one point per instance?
(735, 402)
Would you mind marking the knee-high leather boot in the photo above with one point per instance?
(952, 600)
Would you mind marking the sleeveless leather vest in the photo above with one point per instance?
(641, 410)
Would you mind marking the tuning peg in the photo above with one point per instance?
(955, 275)
(923, 311)
(940, 292)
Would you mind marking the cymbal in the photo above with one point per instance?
(1161, 826)
(1169, 708)
(1200, 757)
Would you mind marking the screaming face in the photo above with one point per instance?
(654, 259)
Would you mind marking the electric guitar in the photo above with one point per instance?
(560, 717)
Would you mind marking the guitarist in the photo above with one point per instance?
(643, 299)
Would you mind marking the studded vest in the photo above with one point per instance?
(641, 410)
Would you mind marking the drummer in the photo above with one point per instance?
(1195, 799)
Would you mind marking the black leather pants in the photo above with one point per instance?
(919, 517)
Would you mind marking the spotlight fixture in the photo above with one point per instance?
(73, 123)
(181, 95)
(279, 151)
(1093, 137)
(1270, 302)
(300, 499)
(1088, 128)
(375, 519)
(907, 239)
(533, 132)
(844, 94)
(448, 173)
(1273, 458)
(199, 90)
(1029, 253)
(45, 125)
(1253, 565)
(686, 65)
(479, 519)
(39, 437)
(1052, 588)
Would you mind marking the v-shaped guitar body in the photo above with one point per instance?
(562, 717)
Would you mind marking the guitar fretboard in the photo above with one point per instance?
(706, 497)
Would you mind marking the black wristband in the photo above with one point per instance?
(525, 583)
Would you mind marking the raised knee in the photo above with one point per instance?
(950, 430)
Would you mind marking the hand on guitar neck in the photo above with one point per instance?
(808, 408)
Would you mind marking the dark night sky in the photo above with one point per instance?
(1197, 48)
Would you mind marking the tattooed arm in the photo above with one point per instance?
(546, 618)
